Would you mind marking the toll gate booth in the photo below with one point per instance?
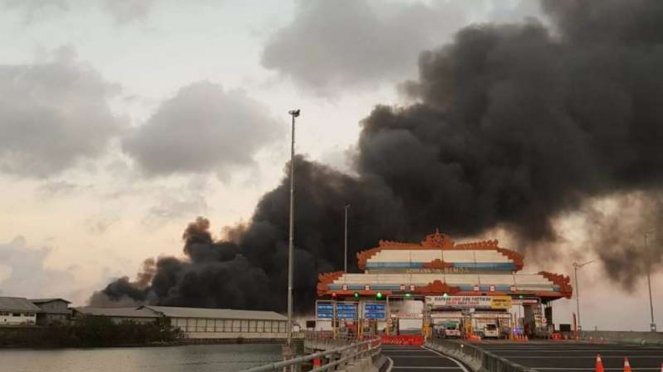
(395, 275)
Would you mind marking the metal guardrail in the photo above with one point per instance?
(330, 360)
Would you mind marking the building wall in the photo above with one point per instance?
(54, 306)
(118, 320)
(230, 328)
(48, 319)
(17, 318)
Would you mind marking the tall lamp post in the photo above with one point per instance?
(652, 326)
(345, 260)
(291, 239)
(577, 266)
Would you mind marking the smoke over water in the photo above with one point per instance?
(514, 125)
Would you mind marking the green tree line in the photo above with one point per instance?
(91, 331)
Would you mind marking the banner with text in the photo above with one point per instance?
(470, 302)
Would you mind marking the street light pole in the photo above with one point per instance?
(345, 260)
(291, 239)
(652, 326)
(577, 266)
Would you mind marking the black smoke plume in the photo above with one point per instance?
(514, 125)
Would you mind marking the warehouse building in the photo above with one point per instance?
(53, 311)
(119, 314)
(16, 311)
(197, 323)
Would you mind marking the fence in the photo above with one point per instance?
(328, 360)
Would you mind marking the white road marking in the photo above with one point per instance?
(452, 359)
(415, 356)
(391, 364)
(415, 367)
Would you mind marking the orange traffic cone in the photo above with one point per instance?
(627, 365)
(599, 363)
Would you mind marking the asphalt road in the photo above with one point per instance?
(576, 357)
(419, 359)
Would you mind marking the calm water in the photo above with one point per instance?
(191, 358)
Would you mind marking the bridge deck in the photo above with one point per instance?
(576, 357)
(420, 359)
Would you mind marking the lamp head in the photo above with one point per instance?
(294, 113)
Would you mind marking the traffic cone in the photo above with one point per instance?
(627, 365)
(599, 363)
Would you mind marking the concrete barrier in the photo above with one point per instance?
(477, 359)
(367, 364)
(639, 338)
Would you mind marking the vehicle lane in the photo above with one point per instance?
(420, 359)
(576, 357)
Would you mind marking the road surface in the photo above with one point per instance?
(576, 357)
(419, 359)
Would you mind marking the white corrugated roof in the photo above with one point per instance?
(117, 312)
(191, 312)
(18, 304)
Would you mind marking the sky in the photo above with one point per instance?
(123, 120)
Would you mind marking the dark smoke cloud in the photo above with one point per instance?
(515, 125)
(619, 238)
(251, 272)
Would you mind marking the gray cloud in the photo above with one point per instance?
(201, 129)
(27, 274)
(53, 114)
(129, 10)
(355, 43)
(32, 8)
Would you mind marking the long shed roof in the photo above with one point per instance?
(190, 312)
(18, 304)
(117, 312)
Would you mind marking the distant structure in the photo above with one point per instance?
(201, 323)
(438, 282)
(118, 314)
(18, 311)
(53, 311)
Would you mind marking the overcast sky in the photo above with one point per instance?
(123, 120)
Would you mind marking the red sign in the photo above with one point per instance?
(403, 340)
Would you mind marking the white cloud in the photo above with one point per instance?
(26, 274)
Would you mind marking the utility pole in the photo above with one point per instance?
(291, 239)
(652, 326)
(577, 266)
(345, 261)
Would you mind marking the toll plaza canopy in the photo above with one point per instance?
(438, 266)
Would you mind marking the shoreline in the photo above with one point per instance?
(186, 342)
